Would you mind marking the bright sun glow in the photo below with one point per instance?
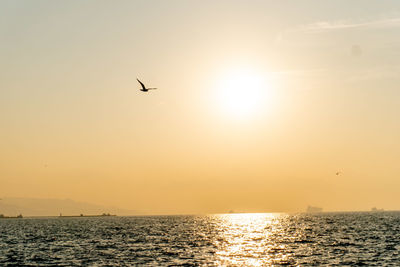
(243, 93)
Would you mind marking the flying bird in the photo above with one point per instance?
(144, 89)
(337, 173)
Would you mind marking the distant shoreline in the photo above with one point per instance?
(10, 217)
(161, 215)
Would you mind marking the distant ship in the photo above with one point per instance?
(375, 209)
(313, 209)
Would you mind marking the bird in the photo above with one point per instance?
(337, 173)
(144, 89)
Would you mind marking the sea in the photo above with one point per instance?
(257, 239)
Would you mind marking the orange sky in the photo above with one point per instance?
(258, 105)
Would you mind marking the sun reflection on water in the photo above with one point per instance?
(244, 239)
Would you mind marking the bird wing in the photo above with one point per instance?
(144, 87)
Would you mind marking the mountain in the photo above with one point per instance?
(53, 207)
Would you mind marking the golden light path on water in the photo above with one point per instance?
(244, 239)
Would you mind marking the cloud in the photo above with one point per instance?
(300, 72)
(287, 35)
(323, 26)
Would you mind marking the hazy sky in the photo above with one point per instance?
(259, 104)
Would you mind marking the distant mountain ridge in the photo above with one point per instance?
(55, 207)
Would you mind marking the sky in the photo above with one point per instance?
(259, 104)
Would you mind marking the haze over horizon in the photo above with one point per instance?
(259, 104)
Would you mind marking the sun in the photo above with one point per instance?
(243, 93)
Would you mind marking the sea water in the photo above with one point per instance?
(262, 239)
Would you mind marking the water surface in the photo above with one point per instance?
(232, 239)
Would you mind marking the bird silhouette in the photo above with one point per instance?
(144, 89)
